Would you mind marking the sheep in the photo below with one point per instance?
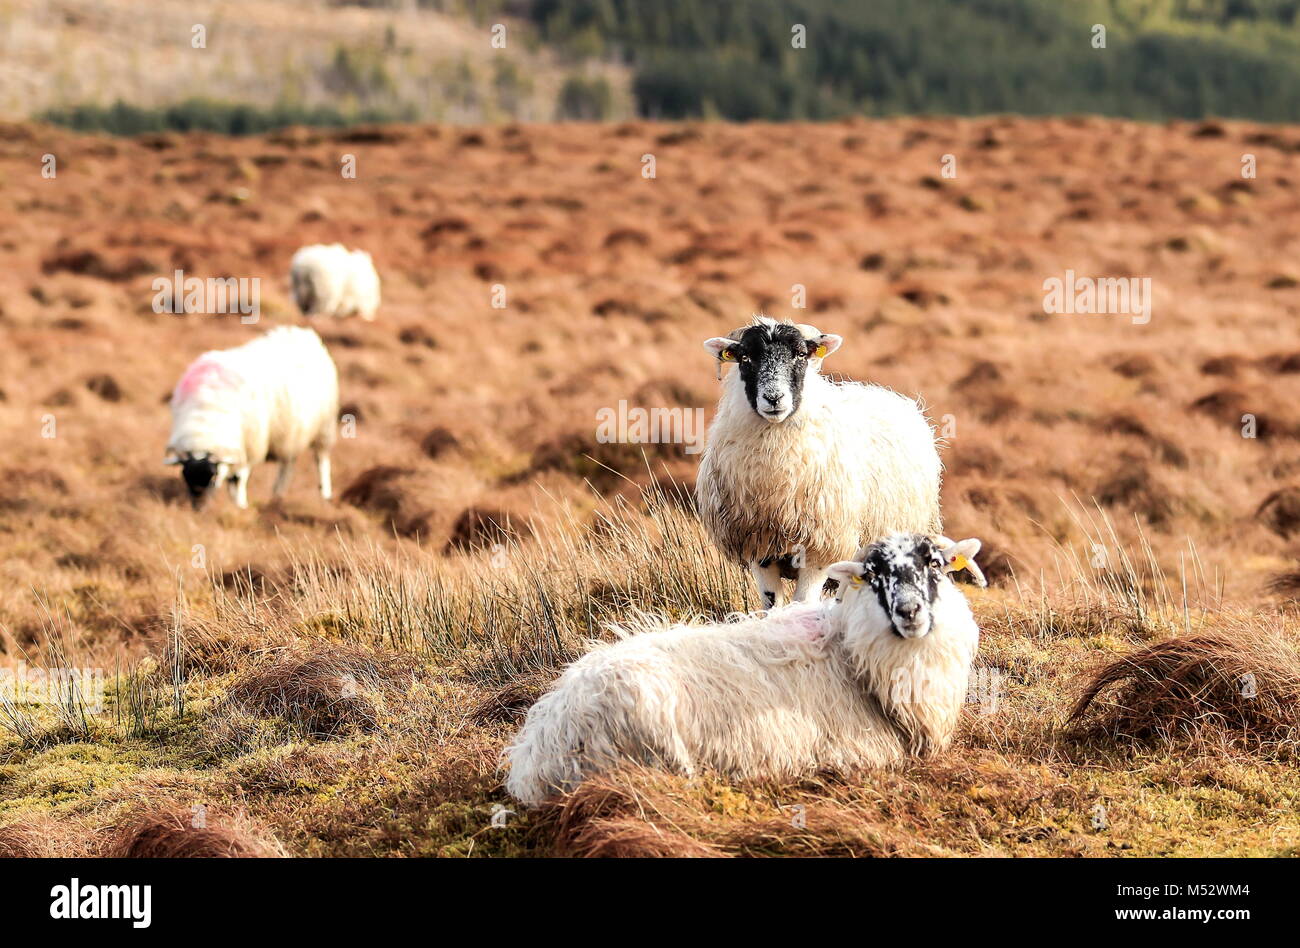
(863, 680)
(800, 470)
(269, 399)
(328, 280)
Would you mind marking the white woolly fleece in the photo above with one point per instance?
(856, 462)
(805, 688)
(328, 280)
(273, 397)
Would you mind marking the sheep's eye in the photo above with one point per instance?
(936, 563)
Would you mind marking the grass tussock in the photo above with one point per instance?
(523, 607)
(639, 813)
(322, 690)
(195, 833)
(510, 702)
(1242, 684)
(34, 837)
(604, 817)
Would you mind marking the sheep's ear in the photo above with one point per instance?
(847, 572)
(961, 555)
(720, 348)
(823, 345)
(961, 550)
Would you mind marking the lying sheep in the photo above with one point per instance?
(863, 681)
(328, 280)
(801, 471)
(269, 399)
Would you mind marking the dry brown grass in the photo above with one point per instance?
(1043, 408)
(359, 709)
(641, 813)
(1120, 507)
(323, 691)
(169, 833)
(509, 703)
(1243, 684)
(34, 837)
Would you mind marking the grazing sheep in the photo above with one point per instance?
(269, 399)
(328, 280)
(863, 681)
(801, 471)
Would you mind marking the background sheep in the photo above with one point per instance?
(863, 681)
(328, 280)
(271, 398)
(801, 471)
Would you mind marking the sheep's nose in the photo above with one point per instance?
(772, 398)
(909, 610)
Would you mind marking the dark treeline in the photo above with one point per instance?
(734, 58)
(203, 115)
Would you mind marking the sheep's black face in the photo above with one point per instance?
(904, 571)
(199, 474)
(773, 362)
(304, 292)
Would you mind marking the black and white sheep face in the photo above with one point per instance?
(201, 473)
(774, 359)
(898, 579)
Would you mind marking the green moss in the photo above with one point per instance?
(61, 774)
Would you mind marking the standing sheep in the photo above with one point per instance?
(863, 681)
(801, 471)
(269, 399)
(328, 280)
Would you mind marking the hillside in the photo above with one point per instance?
(1101, 460)
(385, 60)
(97, 64)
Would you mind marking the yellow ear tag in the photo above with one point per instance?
(959, 562)
(857, 580)
(727, 356)
(821, 352)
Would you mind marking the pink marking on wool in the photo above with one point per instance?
(206, 372)
(805, 622)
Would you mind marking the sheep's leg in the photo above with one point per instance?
(768, 577)
(323, 468)
(238, 487)
(808, 588)
(282, 478)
